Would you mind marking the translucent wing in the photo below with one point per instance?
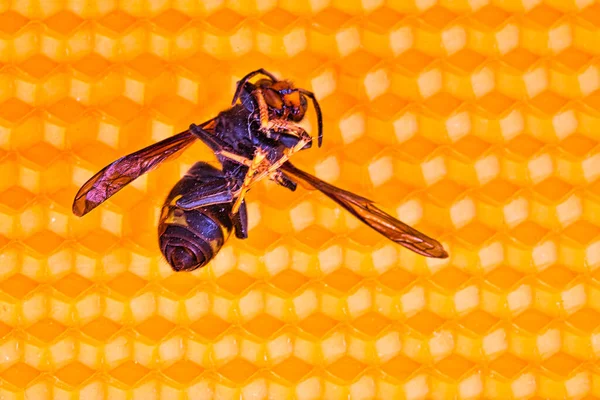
(120, 173)
(366, 211)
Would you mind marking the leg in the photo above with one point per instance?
(242, 82)
(240, 222)
(259, 156)
(218, 146)
(277, 164)
(283, 180)
(318, 111)
(217, 191)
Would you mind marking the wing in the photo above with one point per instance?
(366, 211)
(120, 173)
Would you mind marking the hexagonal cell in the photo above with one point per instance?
(451, 294)
(346, 368)
(20, 375)
(18, 286)
(575, 159)
(13, 111)
(238, 370)
(129, 373)
(263, 326)
(571, 75)
(387, 33)
(202, 68)
(551, 118)
(355, 69)
(526, 160)
(474, 236)
(438, 33)
(467, 76)
(578, 245)
(397, 279)
(288, 281)
(506, 293)
(454, 367)
(172, 21)
(210, 327)
(101, 329)
(92, 66)
(531, 242)
(225, 20)
(127, 284)
(493, 30)
(511, 377)
(183, 372)
(46, 330)
(482, 337)
(559, 291)
(74, 374)
(331, 20)
(12, 22)
(155, 328)
(122, 110)
(579, 337)
(544, 32)
(72, 285)
(521, 74)
(534, 336)
(448, 205)
(117, 20)
(281, 35)
(318, 324)
(371, 324)
(563, 377)
(425, 323)
(446, 116)
(529, 233)
(44, 242)
(150, 81)
(235, 282)
(38, 67)
(497, 118)
(472, 162)
(500, 204)
(64, 22)
(180, 284)
(585, 28)
(416, 76)
(390, 119)
(292, 369)
(342, 280)
(118, 36)
(461, 383)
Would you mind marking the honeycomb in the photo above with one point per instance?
(475, 121)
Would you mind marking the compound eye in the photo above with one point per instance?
(264, 83)
(273, 99)
(303, 101)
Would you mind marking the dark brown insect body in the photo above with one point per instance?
(252, 140)
(191, 238)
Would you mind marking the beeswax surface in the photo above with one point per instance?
(475, 121)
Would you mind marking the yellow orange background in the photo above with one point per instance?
(475, 121)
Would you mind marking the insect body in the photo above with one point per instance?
(190, 237)
(252, 140)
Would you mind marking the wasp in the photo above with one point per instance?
(252, 140)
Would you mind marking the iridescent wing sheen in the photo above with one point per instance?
(120, 173)
(366, 211)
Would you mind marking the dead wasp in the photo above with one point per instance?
(252, 140)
